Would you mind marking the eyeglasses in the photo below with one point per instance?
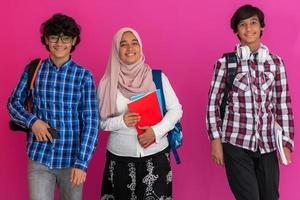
(64, 38)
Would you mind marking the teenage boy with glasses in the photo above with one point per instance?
(64, 98)
(245, 139)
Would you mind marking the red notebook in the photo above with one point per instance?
(149, 110)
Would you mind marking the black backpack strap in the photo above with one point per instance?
(231, 65)
(31, 67)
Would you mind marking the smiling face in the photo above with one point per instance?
(129, 51)
(249, 31)
(60, 47)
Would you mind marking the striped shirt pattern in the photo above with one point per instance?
(65, 98)
(258, 97)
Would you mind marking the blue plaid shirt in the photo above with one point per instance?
(65, 98)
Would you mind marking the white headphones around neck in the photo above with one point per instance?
(244, 52)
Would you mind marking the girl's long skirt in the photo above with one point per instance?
(127, 178)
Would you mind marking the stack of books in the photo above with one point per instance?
(149, 107)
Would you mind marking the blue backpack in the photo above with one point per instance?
(175, 136)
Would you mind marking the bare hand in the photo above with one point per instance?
(78, 176)
(217, 152)
(40, 130)
(288, 155)
(131, 118)
(147, 138)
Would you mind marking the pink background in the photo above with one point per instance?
(182, 37)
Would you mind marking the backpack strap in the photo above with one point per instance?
(231, 65)
(33, 67)
(156, 76)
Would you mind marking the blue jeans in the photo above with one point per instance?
(42, 182)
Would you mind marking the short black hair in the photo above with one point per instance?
(245, 12)
(60, 24)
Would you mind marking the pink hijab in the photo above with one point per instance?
(130, 80)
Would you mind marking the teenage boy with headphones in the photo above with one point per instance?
(245, 139)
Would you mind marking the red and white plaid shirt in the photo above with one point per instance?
(258, 97)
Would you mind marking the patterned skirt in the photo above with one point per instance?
(127, 178)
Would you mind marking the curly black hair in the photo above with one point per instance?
(60, 24)
(245, 12)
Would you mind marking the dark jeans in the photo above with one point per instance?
(251, 175)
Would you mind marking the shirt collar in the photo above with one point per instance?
(65, 65)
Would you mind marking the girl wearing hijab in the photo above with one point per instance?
(137, 166)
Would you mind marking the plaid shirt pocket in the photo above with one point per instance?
(267, 80)
(241, 83)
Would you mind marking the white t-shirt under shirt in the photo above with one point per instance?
(123, 140)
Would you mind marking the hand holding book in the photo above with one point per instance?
(148, 108)
(147, 138)
(131, 118)
(288, 155)
(284, 152)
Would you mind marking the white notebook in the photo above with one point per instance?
(278, 137)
